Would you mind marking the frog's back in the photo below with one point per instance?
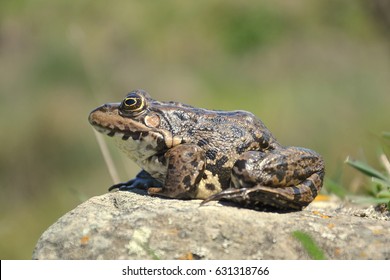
(228, 131)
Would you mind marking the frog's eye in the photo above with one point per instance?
(133, 104)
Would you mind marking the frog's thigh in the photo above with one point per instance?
(186, 164)
(287, 178)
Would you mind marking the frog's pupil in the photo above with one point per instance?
(130, 102)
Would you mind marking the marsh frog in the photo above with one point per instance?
(192, 153)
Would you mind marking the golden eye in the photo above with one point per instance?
(133, 104)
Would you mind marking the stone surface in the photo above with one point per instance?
(126, 225)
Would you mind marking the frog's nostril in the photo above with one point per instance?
(105, 107)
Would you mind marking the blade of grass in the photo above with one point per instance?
(385, 162)
(365, 169)
(107, 157)
(384, 184)
(309, 244)
(383, 194)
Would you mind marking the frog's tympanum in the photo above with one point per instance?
(187, 152)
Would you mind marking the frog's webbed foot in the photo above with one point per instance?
(230, 193)
(258, 195)
(136, 183)
(122, 186)
(142, 181)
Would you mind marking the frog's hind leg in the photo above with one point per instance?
(288, 198)
(288, 178)
(293, 197)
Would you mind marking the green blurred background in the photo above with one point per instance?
(316, 72)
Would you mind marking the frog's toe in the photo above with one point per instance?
(122, 186)
(137, 183)
(225, 194)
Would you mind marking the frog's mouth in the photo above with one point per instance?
(107, 120)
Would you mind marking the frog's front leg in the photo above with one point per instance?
(286, 178)
(186, 165)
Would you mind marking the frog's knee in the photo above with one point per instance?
(247, 170)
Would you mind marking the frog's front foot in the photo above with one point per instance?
(142, 181)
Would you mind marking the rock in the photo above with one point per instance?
(126, 225)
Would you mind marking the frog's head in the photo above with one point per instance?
(139, 130)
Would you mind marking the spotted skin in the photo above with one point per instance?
(278, 178)
(187, 152)
(186, 164)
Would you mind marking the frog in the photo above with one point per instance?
(186, 152)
